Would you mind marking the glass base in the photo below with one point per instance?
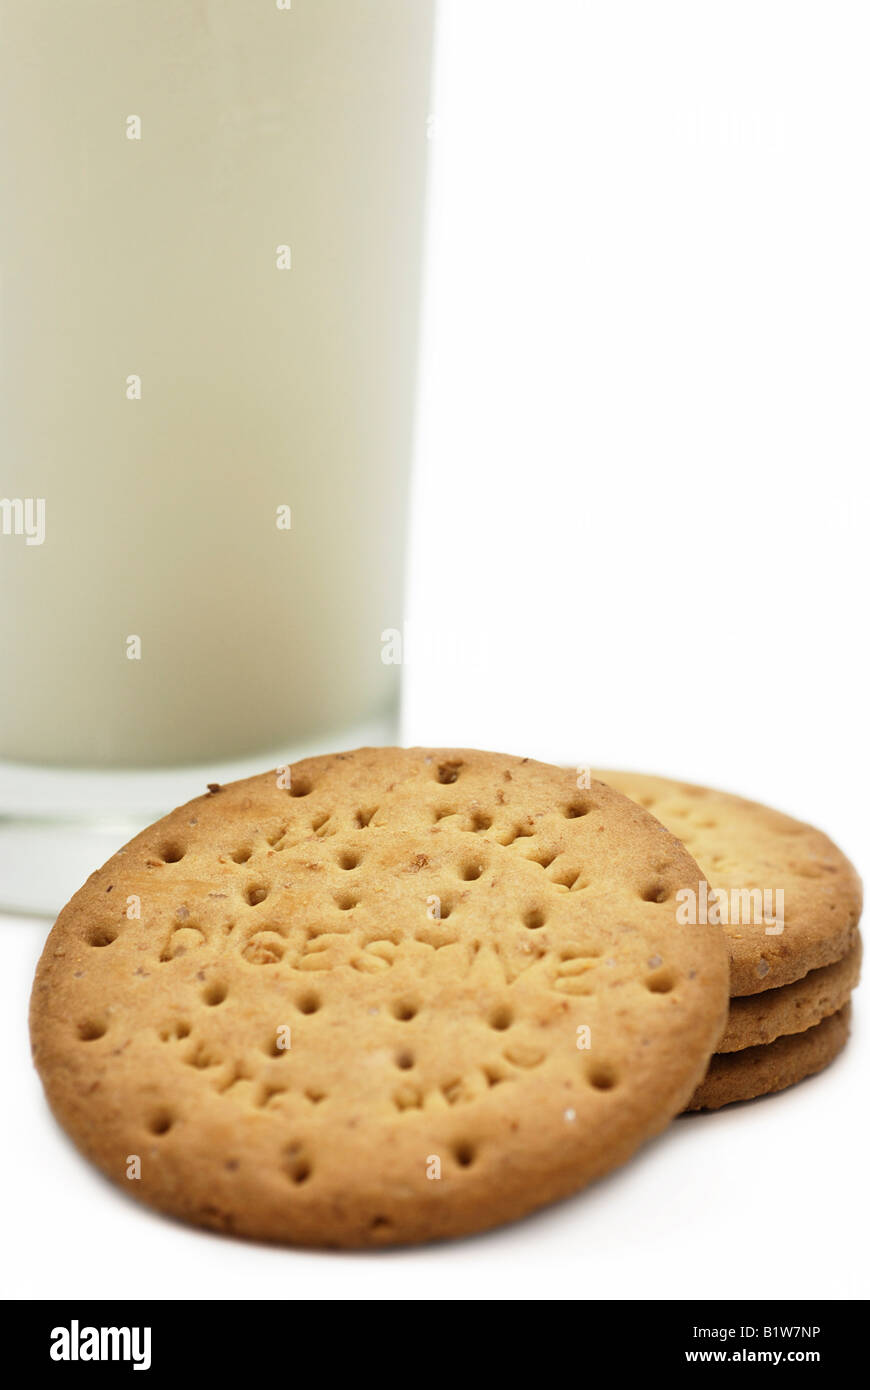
(58, 826)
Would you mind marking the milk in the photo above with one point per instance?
(210, 257)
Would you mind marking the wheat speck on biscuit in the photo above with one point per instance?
(396, 996)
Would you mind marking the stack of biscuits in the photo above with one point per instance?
(396, 995)
(795, 961)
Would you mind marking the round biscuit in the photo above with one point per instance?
(742, 845)
(383, 996)
(761, 1071)
(762, 1018)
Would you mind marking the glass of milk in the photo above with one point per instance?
(209, 251)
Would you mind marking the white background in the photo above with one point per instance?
(639, 540)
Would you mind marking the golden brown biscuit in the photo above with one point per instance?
(411, 995)
(760, 1071)
(742, 845)
(761, 1018)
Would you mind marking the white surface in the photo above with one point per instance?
(640, 528)
(639, 541)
